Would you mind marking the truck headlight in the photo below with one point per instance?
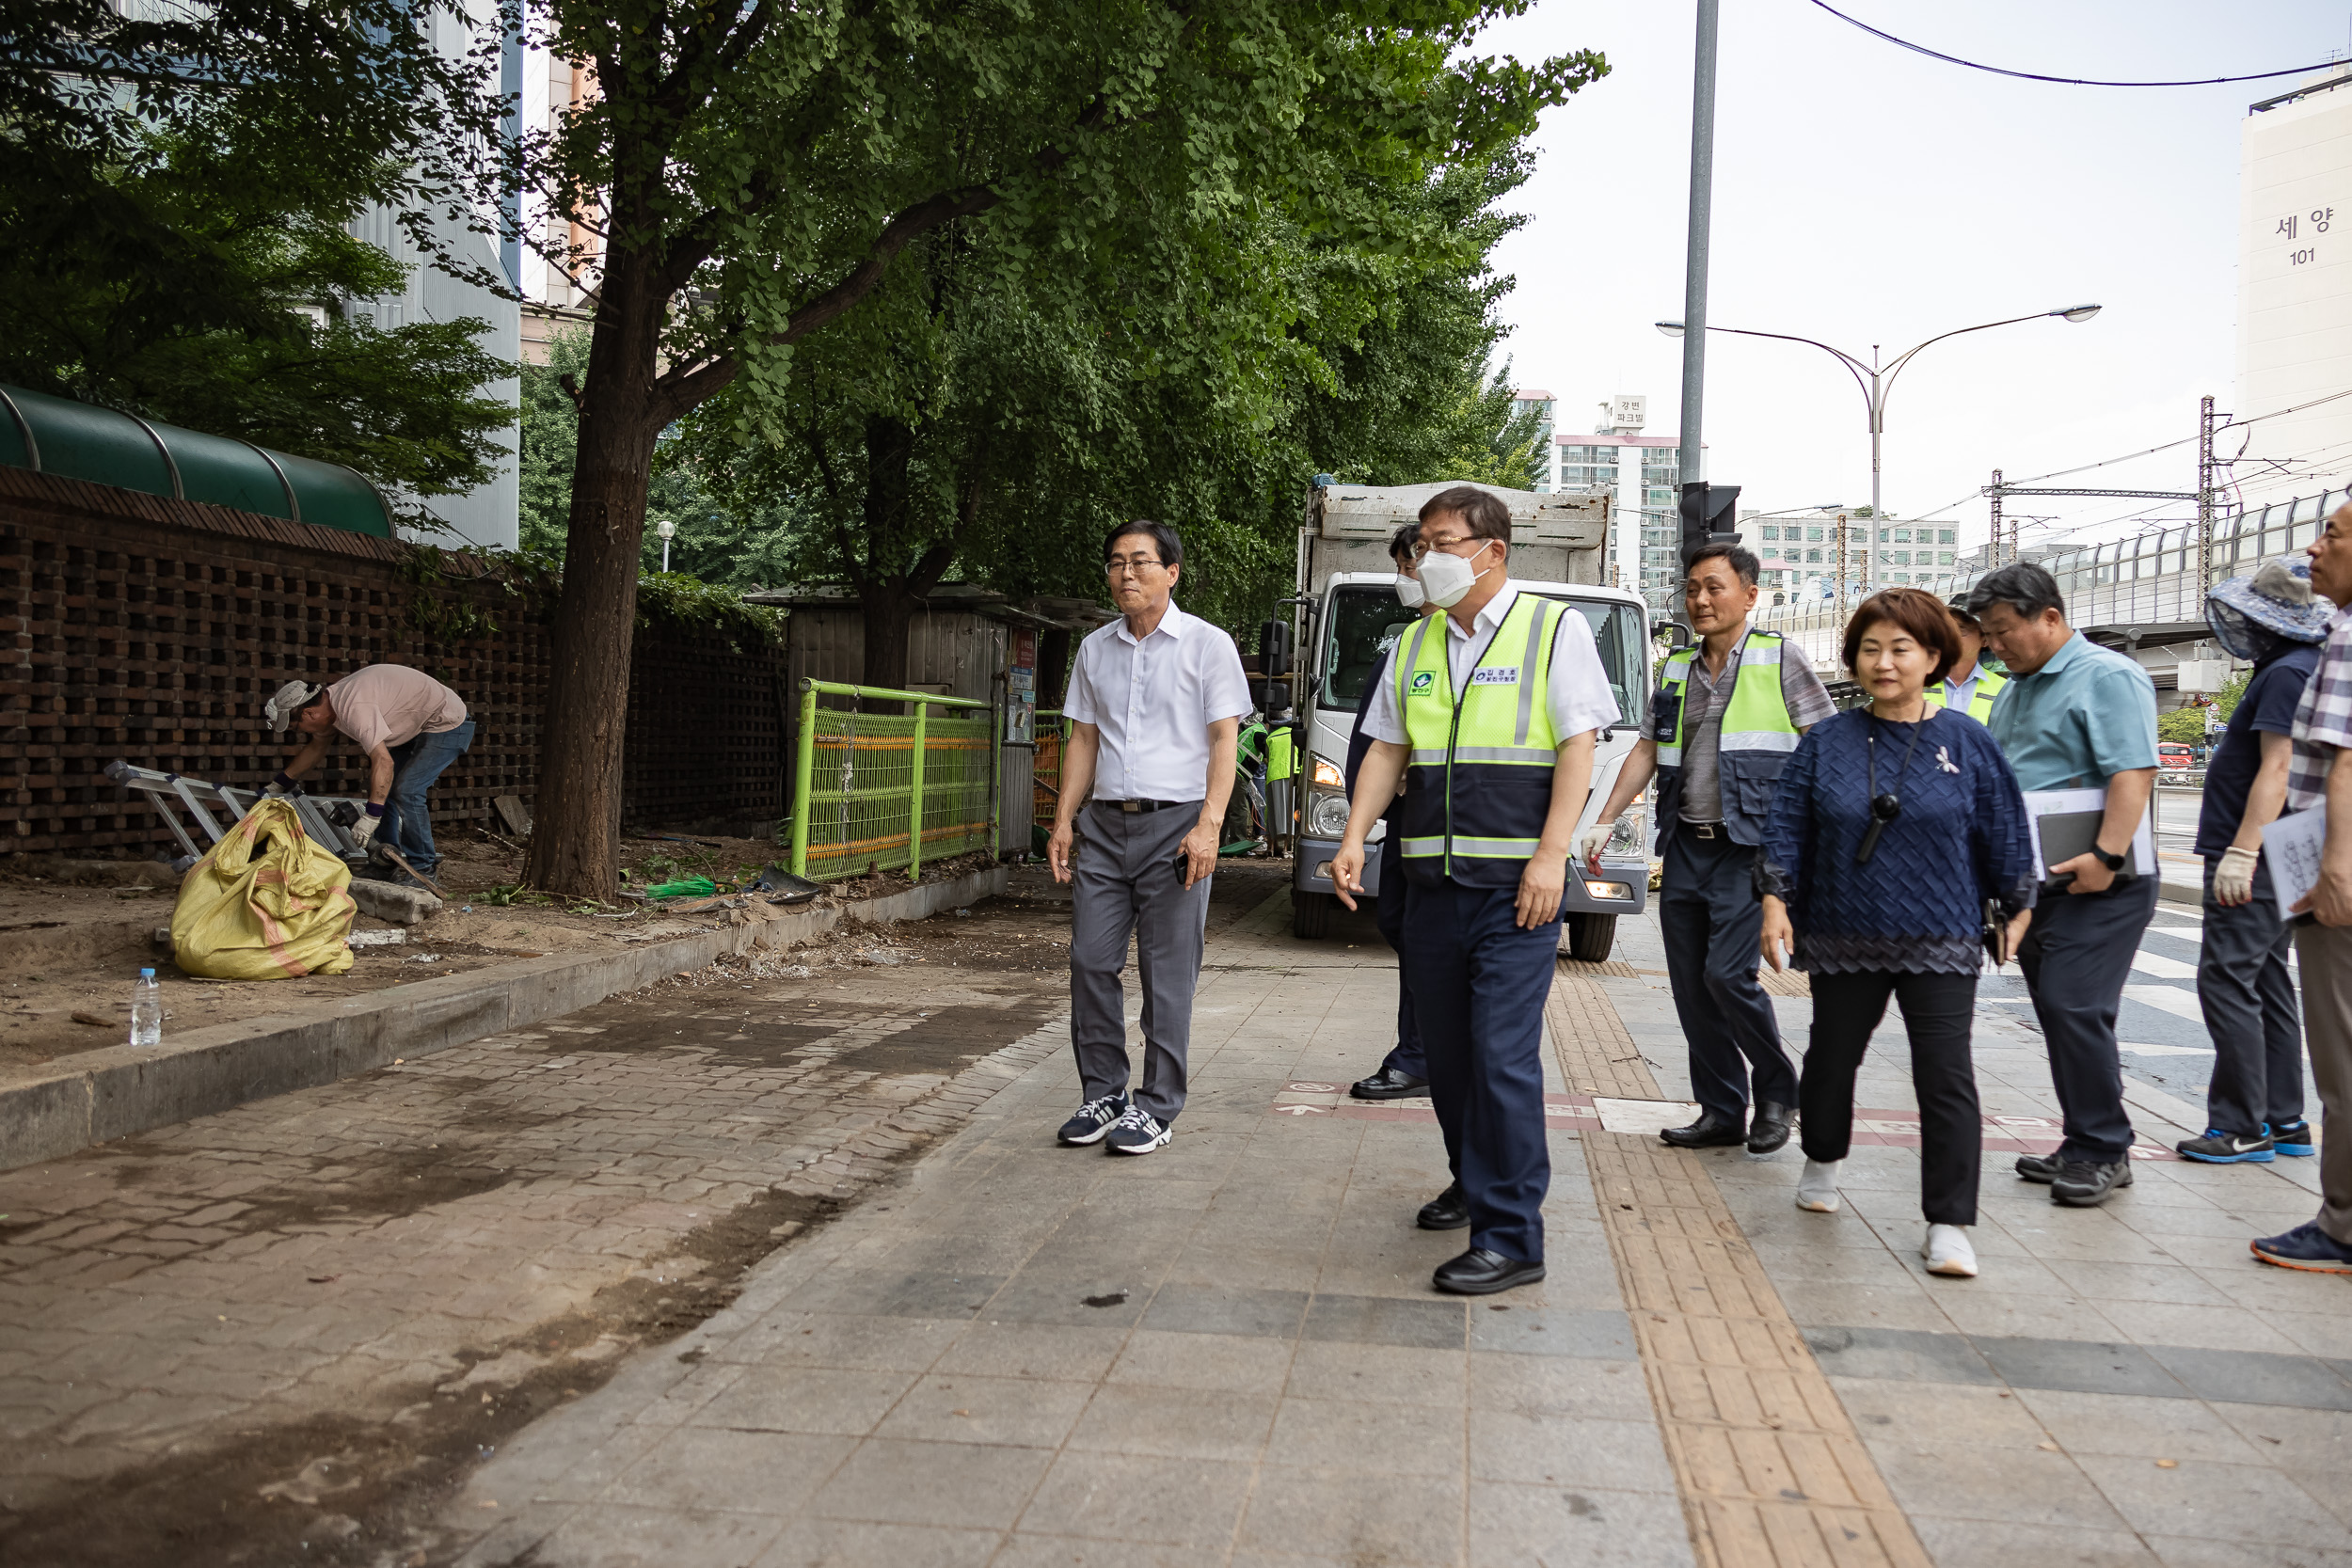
(1328, 815)
(1327, 774)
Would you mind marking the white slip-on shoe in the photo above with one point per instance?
(1948, 1252)
(1816, 1189)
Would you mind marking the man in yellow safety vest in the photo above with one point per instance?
(1970, 688)
(1724, 721)
(1486, 715)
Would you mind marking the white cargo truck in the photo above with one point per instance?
(1350, 616)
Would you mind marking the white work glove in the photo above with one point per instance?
(279, 787)
(1593, 839)
(370, 819)
(2233, 878)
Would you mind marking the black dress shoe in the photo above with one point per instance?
(1713, 1130)
(1448, 1210)
(1481, 1272)
(1387, 1083)
(1768, 1132)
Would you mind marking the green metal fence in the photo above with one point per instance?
(874, 791)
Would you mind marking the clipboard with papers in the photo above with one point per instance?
(2065, 823)
(2292, 844)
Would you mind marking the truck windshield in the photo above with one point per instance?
(1365, 619)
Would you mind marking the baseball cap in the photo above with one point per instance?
(291, 699)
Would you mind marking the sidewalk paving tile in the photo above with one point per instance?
(1278, 1385)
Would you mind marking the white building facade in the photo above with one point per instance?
(2294, 289)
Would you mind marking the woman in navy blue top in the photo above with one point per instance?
(1892, 826)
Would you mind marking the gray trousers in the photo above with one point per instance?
(2249, 1003)
(1126, 880)
(2326, 953)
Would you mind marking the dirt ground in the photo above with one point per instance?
(69, 951)
(409, 1266)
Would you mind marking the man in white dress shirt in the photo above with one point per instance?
(1489, 724)
(1155, 708)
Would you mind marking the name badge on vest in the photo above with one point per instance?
(1509, 675)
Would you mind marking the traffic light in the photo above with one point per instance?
(1708, 512)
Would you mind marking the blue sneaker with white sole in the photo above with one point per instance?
(1094, 1118)
(2218, 1147)
(1138, 1133)
(2295, 1140)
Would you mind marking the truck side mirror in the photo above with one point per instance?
(1273, 649)
(1673, 633)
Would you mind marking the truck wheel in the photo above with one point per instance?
(1310, 915)
(1591, 937)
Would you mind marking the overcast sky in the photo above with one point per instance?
(1863, 194)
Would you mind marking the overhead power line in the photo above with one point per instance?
(2062, 81)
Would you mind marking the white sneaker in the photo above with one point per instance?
(1948, 1252)
(1816, 1189)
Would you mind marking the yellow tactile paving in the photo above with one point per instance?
(1771, 1471)
(1596, 1055)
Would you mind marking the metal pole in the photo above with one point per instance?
(1693, 463)
(1993, 550)
(1877, 429)
(804, 769)
(915, 801)
(2205, 507)
(1841, 569)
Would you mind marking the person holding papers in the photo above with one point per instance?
(2317, 780)
(1894, 825)
(2078, 717)
(2254, 1105)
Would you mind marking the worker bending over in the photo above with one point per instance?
(410, 726)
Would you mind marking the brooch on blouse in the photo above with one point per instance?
(1943, 760)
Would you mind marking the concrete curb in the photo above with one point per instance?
(102, 1095)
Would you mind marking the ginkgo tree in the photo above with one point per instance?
(753, 174)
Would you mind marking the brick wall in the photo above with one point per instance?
(136, 626)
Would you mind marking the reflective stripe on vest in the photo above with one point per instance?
(1472, 790)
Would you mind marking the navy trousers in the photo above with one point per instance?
(2077, 956)
(1479, 985)
(1387, 909)
(1712, 919)
(2249, 1003)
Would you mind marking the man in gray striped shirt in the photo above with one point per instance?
(2323, 936)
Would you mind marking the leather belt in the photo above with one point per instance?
(1705, 830)
(1132, 806)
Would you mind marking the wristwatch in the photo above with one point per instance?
(2113, 862)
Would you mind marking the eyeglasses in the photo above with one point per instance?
(1420, 548)
(1137, 564)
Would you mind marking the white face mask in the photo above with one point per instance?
(1408, 593)
(1445, 579)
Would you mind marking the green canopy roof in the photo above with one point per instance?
(106, 446)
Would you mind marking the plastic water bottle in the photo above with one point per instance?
(147, 1010)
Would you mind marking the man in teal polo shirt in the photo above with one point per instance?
(2076, 716)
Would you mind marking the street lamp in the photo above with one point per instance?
(668, 530)
(1877, 382)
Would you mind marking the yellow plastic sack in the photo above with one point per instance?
(268, 903)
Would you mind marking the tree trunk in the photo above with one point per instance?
(889, 611)
(577, 817)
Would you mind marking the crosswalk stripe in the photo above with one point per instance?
(2161, 967)
(2171, 999)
